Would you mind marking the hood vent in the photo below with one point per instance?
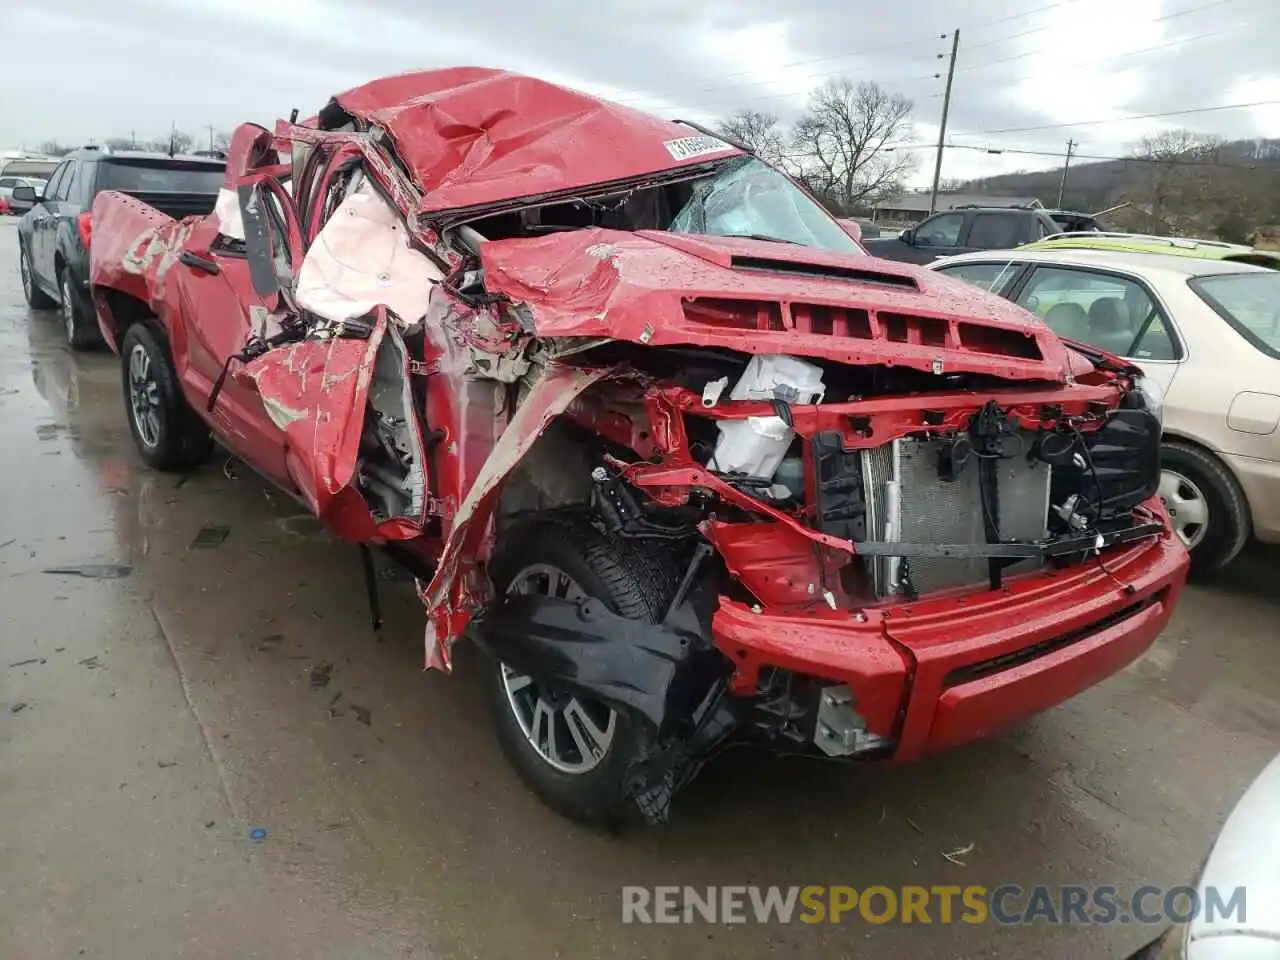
(824, 271)
(857, 323)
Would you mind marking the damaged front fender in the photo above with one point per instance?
(454, 594)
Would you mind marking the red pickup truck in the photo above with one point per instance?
(652, 430)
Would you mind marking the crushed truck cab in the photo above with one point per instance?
(652, 430)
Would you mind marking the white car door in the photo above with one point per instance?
(1113, 311)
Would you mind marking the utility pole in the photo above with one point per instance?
(211, 138)
(1062, 185)
(942, 129)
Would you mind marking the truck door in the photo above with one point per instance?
(223, 309)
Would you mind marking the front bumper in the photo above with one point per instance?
(939, 672)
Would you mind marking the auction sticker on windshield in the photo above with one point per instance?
(684, 148)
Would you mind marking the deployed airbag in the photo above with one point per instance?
(362, 258)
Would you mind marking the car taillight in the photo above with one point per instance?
(85, 224)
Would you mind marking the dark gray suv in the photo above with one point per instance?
(56, 228)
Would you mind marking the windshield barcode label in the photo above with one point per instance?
(687, 147)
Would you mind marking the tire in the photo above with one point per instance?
(174, 438)
(633, 584)
(1192, 476)
(81, 331)
(36, 298)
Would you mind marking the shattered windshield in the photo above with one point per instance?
(748, 198)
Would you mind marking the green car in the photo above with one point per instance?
(1142, 243)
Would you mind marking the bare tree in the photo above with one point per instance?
(1178, 175)
(762, 132)
(843, 135)
(177, 141)
(52, 148)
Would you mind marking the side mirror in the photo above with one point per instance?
(851, 227)
(908, 236)
(23, 198)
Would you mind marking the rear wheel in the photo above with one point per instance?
(36, 298)
(1208, 509)
(576, 754)
(165, 429)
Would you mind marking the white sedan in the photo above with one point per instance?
(1245, 857)
(1208, 332)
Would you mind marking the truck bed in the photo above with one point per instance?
(176, 205)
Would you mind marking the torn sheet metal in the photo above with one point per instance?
(362, 258)
(474, 136)
(135, 245)
(317, 392)
(645, 286)
(346, 144)
(453, 595)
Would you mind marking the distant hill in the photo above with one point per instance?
(1225, 190)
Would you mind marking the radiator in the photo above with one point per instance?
(906, 501)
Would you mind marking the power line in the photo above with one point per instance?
(868, 52)
(733, 88)
(718, 105)
(1084, 63)
(1058, 154)
(1026, 33)
(720, 101)
(1124, 119)
(795, 63)
(1013, 36)
(1019, 16)
(1128, 53)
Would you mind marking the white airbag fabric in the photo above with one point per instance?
(227, 210)
(362, 258)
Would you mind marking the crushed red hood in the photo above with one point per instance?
(657, 288)
(472, 136)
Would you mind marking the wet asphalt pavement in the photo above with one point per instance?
(212, 673)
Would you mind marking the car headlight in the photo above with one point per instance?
(1152, 395)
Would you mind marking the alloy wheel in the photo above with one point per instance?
(24, 268)
(68, 310)
(571, 734)
(1188, 508)
(144, 397)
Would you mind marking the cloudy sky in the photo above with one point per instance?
(1029, 72)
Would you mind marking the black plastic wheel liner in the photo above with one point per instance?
(659, 672)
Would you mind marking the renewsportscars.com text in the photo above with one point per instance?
(1006, 904)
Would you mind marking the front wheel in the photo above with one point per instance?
(167, 432)
(1208, 509)
(576, 754)
(82, 332)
